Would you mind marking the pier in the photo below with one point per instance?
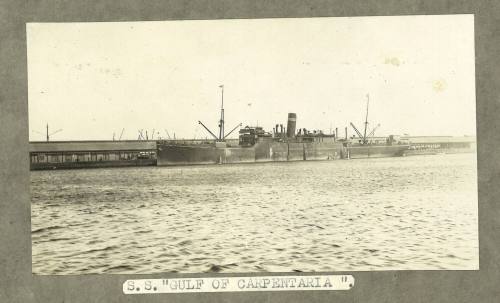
(99, 154)
(91, 154)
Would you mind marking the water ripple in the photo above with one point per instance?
(375, 214)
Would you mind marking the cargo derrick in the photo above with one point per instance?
(222, 136)
(363, 138)
(366, 148)
(285, 143)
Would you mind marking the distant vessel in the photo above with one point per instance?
(283, 144)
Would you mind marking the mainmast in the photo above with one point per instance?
(366, 119)
(221, 121)
(222, 136)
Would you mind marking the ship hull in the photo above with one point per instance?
(173, 154)
(376, 151)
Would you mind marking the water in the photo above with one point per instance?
(376, 214)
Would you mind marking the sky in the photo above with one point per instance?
(91, 80)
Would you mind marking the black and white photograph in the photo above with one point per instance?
(281, 145)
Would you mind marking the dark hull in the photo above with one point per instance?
(172, 154)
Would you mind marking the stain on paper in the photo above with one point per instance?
(439, 85)
(392, 61)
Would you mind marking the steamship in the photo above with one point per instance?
(282, 144)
